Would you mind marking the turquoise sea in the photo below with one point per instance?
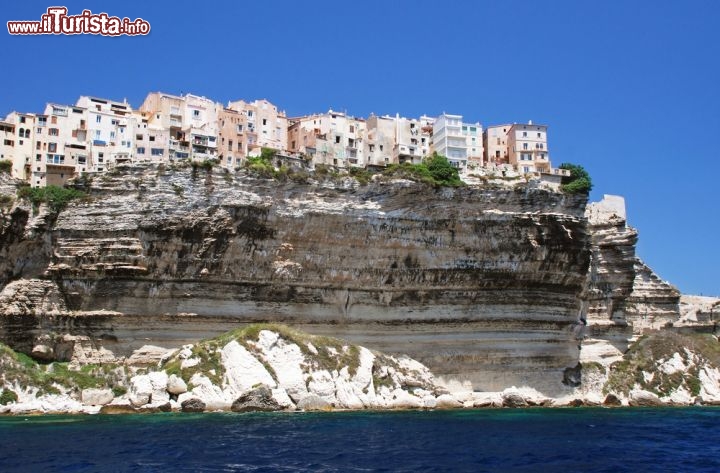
(503, 440)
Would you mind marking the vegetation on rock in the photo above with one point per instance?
(5, 166)
(578, 182)
(54, 196)
(332, 354)
(640, 365)
(18, 368)
(435, 170)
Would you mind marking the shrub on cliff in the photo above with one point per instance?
(5, 166)
(54, 196)
(578, 182)
(435, 170)
(7, 397)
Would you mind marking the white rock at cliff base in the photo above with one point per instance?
(96, 397)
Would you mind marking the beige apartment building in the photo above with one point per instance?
(264, 126)
(528, 149)
(232, 128)
(495, 145)
(380, 140)
(17, 134)
(191, 124)
(331, 138)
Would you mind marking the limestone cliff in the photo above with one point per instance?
(493, 285)
(480, 284)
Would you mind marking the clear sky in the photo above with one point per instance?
(629, 89)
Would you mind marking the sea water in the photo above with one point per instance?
(506, 440)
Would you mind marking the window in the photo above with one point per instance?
(38, 158)
(112, 135)
(52, 147)
(8, 142)
(230, 143)
(525, 146)
(239, 128)
(37, 145)
(337, 139)
(541, 146)
(151, 138)
(139, 137)
(381, 147)
(524, 134)
(81, 159)
(42, 121)
(53, 120)
(22, 119)
(196, 113)
(156, 151)
(292, 144)
(38, 131)
(97, 134)
(264, 121)
(539, 135)
(141, 150)
(352, 128)
(115, 122)
(98, 118)
(250, 113)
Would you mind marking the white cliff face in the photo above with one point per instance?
(243, 370)
(304, 376)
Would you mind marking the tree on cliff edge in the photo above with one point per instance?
(578, 182)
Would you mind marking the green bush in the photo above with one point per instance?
(206, 165)
(5, 166)
(7, 397)
(361, 175)
(578, 182)
(435, 170)
(54, 196)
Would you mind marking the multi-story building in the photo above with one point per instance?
(331, 138)
(190, 122)
(412, 139)
(265, 126)
(62, 146)
(380, 140)
(527, 148)
(232, 146)
(460, 142)
(495, 145)
(110, 129)
(17, 133)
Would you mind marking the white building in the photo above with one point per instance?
(110, 130)
(460, 142)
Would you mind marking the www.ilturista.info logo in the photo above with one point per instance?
(57, 21)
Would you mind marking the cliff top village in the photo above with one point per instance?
(95, 134)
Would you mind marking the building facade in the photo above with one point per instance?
(461, 143)
(528, 149)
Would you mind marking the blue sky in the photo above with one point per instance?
(628, 89)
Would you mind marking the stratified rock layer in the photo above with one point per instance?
(478, 284)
